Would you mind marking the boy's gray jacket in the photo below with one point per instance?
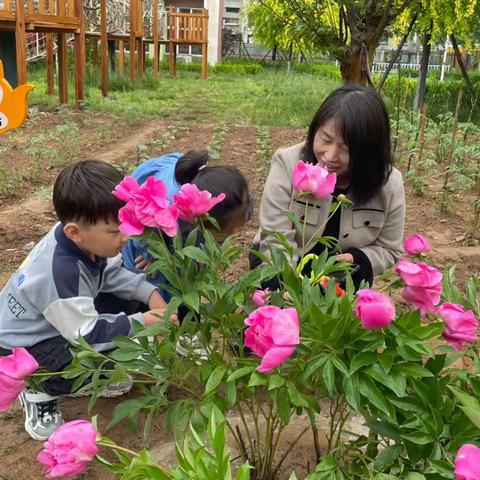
(375, 227)
(53, 293)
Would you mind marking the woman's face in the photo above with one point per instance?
(331, 152)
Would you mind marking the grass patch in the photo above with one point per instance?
(267, 98)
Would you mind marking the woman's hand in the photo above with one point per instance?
(345, 257)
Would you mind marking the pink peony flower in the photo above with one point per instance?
(261, 297)
(424, 299)
(313, 179)
(418, 274)
(193, 203)
(460, 326)
(416, 244)
(126, 189)
(424, 284)
(69, 450)
(272, 334)
(14, 369)
(374, 309)
(467, 463)
(147, 206)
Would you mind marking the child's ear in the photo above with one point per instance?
(72, 231)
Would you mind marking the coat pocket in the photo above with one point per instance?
(313, 212)
(368, 219)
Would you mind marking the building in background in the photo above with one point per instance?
(215, 20)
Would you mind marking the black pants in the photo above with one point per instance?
(54, 354)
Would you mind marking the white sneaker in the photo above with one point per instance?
(42, 416)
(108, 391)
(191, 346)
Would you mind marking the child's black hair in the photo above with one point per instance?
(192, 168)
(363, 123)
(83, 192)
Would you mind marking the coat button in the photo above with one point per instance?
(345, 236)
(367, 222)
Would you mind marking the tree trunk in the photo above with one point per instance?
(274, 53)
(422, 78)
(356, 62)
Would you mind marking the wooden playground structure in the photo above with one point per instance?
(68, 21)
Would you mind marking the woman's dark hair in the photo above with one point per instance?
(192, 168)
(83, 192)
(363, 123)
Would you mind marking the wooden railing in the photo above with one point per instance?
(42, 15)
(187, 28)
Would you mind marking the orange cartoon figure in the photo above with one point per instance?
(13, 103)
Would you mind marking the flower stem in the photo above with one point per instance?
(320, 228)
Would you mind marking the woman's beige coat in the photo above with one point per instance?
(375, 227)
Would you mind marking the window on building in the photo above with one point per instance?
(189, 10)
(232, 9)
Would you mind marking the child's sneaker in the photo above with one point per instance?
(188, 345)
(42, 416)
(109, 391)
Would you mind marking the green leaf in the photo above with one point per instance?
(328, 376)
(413, 369)
(414, 476)
(241, 372)
(257, 379)
(431, 330)
(362, 359)
(295, 396)
(243, 472)
(231, 389)
(314, 365)
(387, 457)
(473, 414)
(396, 383)
(276, 381)
(419, 438)
(352, 391)
(215, 378)
(283, 406)
(192, 299)
(386, 360)
(465, 399)
(385, 429)
(196, 254)
(371, 392)
(339, 364)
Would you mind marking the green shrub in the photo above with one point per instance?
(238, 68)
(327, 70)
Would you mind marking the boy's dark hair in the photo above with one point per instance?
(192, 168)
(363, 123)
(83, 192)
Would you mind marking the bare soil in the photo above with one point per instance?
(26, 214)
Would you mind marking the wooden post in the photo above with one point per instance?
(139, 35)
(121, 57)
(20, 43)
(155, 39)
(50, 65)
(172, 47)
(132, 39)
(80, 60)
(62, 68)
(205, 45)
(103, 45)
